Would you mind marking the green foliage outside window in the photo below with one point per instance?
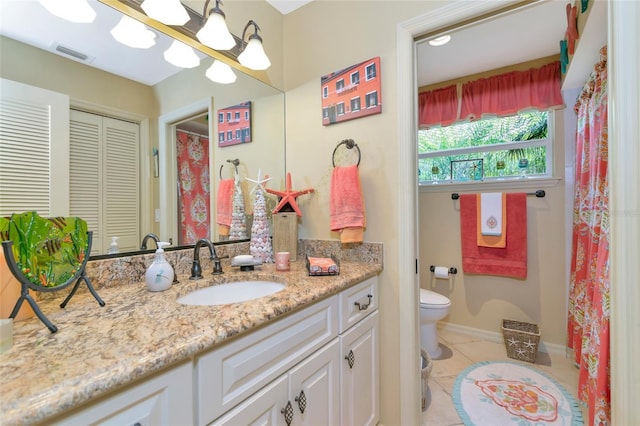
(498, 141)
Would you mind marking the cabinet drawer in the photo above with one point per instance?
(229, 374)
(357, 302)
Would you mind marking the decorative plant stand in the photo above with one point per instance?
(26, 284)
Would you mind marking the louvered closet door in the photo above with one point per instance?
(33, 150)
(104, 179)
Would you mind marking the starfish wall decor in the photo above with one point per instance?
(288, 197)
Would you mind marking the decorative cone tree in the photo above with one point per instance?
(238, 228)
(260, 246)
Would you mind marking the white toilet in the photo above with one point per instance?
(433, 307)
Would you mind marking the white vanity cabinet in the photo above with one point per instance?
(316, 366)
(164, 399)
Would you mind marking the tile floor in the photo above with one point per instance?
(460, 351)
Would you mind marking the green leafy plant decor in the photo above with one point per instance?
(49, 252)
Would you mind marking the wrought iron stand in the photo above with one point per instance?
(26, 284)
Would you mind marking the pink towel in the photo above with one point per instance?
(510, 261)
(224, 206)
(347, 204)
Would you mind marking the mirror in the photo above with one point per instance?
(167, 104)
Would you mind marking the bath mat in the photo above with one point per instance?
(500, 393)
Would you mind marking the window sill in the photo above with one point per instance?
(493, 184)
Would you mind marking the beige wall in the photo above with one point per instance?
(322, 37)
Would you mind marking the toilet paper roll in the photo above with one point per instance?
(441, 272)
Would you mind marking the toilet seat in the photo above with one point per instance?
(431, 298)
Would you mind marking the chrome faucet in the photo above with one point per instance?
(154, 237)
(196, 269)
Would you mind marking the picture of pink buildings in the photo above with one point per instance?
(352, 92)
(234, 124)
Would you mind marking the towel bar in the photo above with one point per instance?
(235, 163)
(539, 194)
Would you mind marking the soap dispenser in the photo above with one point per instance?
(113, 248)
(159, 275)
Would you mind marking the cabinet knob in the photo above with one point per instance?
(302, 401)
(287, 412)
(351, 359)
(364, 306)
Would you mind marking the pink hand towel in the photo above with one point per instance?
(224, 205)
(510, 261)
(347, 204)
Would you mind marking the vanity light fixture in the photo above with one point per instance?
(252, 53)
(78, 11)
(181, 55)
(215, 33)
(133, 33)
(169, 12)
(219, 72)
(440, 41)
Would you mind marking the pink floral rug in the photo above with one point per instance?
(497, 393)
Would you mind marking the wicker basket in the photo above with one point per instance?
(521, 340)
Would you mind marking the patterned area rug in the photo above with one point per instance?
(501, 393)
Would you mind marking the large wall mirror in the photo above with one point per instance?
(162, 104)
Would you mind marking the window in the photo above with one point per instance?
(509, 147)
(325, 92)
(229, 135)
(221, 137)
(340, 85)
(355, 104)
(246, 115)
(355, 78)
(325, 112)
(238, 134)
(372, 99)
(340, 108)
(228, 116)
(371, 71)
(221, 118)
(237, 115)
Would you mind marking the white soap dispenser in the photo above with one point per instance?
(159, 275)
(113, 248)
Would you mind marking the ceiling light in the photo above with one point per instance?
(440, 41)
(181, 55)
(219, 72)
(215, 33)
(133, 33)
(252, 55)
(77, 11)
(169, 12)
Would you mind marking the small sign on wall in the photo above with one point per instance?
(352, 92)
(234, 124)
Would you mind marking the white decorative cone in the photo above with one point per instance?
(260, 246)
(238, 229)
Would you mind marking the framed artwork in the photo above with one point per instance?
(467, 169)
(234, 124)
(351, 92)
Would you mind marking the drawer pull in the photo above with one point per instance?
(364, 306)
(302, 401)
(287, 411)
(351, 359)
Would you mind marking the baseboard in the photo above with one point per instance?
(492, 336)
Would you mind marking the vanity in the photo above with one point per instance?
(307, 354)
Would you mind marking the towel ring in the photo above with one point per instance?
(349, 144)
(235, 163)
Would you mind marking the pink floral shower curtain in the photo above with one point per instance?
(589, 305)
(194, 187)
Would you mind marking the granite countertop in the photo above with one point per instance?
(100, 349)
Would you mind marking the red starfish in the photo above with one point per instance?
(288, 196)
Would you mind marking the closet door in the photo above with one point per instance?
(34, 167)
(104, 179)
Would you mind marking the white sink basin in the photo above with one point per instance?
(235, 292)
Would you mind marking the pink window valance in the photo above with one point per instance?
(507, 94)
(438, 106)
(499, 95)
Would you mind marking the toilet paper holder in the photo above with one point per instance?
(452, 270)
